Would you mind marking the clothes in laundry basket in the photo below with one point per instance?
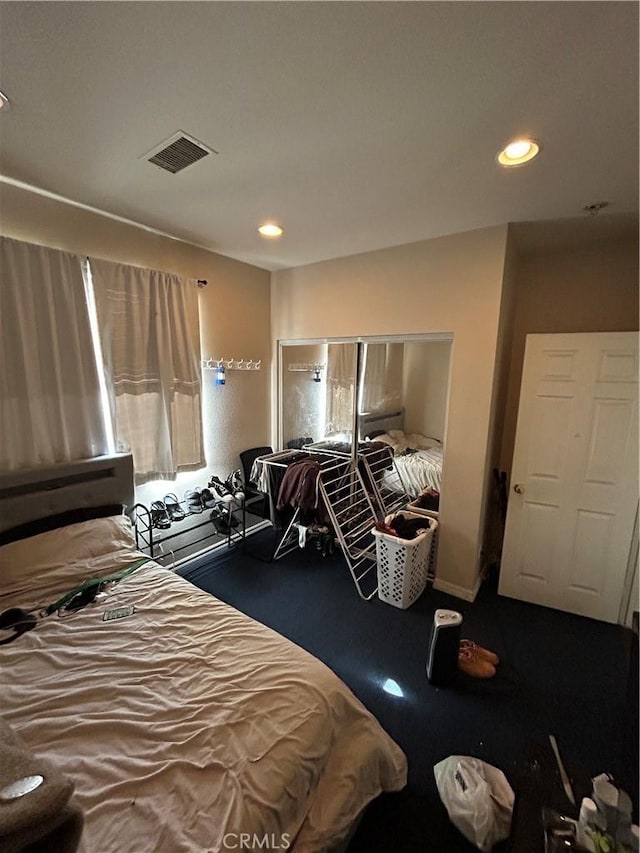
(402, 527)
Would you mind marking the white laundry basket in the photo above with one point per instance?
(403, 564)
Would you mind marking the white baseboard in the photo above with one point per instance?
(458, 591)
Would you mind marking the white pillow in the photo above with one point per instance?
(385, 438)
(422, 442)
(70, 552)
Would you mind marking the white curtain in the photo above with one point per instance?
(50, 394)
(341, 367)
(148, 325)
(382, 377)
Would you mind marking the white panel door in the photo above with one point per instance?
(574, 480)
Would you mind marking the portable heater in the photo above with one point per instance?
(443, 646)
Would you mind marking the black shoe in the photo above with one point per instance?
(219, 521)
(220, 490)
(235, 484)
(175, 511)
(160, 518)
(208, 498)
(193, 500)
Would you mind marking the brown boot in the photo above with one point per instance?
(472, 664)
(485, 654)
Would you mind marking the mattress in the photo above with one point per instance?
(186, 723)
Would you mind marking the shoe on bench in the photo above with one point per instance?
(160, 518)
(174, 510)
(220, 490)
(193, 500)
(235, 484)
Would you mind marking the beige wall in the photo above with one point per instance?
(587, 288)
(449, 285)
(234, 312)
(493, 522)
(470, 285)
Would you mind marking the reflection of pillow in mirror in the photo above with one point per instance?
(386, 439)
(423, 442)
(375, 434)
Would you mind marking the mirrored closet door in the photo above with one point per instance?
(393, 390)
(318, 385)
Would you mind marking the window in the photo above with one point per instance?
(97, 357)
(149, 336)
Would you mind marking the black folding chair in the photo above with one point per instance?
(256, 502)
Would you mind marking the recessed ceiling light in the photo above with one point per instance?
(517, 152)
(4, 101)
(270, 229)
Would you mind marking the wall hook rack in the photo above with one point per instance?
(231, 364)
(307, 367)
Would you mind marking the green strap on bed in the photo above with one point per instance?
(94, 582)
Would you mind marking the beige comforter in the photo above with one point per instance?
(185, 724)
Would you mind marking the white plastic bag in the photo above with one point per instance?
(478, 799)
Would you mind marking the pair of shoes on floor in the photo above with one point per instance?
(476, 661)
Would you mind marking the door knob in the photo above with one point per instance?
(519, 489)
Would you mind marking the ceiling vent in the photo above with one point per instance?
(178, 152)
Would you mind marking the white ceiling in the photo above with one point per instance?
(355, 125)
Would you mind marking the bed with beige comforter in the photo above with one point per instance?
(185, 724)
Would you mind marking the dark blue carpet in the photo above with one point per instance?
(559, 674)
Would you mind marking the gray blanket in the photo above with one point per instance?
(45, 819)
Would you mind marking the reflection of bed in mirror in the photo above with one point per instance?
(418, 457)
